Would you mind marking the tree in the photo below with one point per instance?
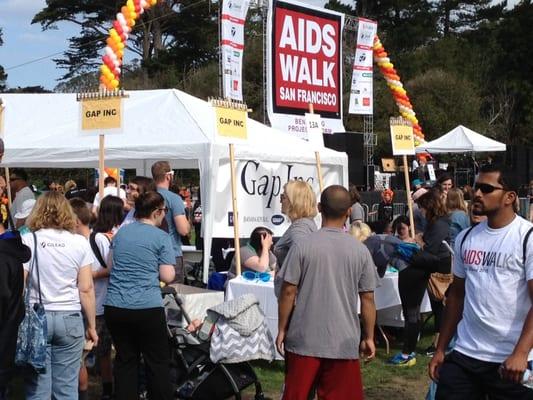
(156, 34)
(3, 75)
(457, 16)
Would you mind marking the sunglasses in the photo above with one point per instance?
(256, 276)
(486, 188)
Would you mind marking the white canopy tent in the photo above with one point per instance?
(461, 140)
(43, 131)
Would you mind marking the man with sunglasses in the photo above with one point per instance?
(490, 300)
(18, 181)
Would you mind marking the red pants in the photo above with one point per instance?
(335, 379)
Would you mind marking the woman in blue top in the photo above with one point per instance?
(142, 256)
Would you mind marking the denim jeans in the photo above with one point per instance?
(63, 359)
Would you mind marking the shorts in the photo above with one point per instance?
(335, 379)
(104, 337)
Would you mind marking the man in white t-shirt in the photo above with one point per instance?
(110, 189)
(490, 301)
(18, 180)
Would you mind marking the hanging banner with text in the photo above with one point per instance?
(304, 65)
(361, 92)
(232, 44)
(259, 186)
(402, 138)
(101, 114)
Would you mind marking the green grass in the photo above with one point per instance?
(380, 380)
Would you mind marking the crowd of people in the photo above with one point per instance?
(97, 268)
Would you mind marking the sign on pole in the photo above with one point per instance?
(403, 144)
(361, 93)
(402, 137)
(231, 122)
(101, 112)
(304, 65)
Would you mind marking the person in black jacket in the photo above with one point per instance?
(12, 254)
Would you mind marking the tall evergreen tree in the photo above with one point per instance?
(457, 16)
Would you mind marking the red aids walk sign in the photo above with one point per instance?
(304, 66)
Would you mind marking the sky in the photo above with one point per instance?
(24, 42)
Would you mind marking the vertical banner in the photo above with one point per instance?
(304, 65)
(361, 92)
(232, 44)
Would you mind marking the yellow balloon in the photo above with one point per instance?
(120, 46)
(153, 2)
(114, 83)
(103, 69)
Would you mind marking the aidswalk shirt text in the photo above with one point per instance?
(496, 300)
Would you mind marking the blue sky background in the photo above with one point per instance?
(24, 42)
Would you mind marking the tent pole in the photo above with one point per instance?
(408, 193)
(235, 210)
(8, 187)
(317, 158)
(101, 166)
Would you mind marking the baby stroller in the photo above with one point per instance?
(194, 375)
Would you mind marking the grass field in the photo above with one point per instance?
(381, 381)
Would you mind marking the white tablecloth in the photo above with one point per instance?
(386, 297)
(196, 301)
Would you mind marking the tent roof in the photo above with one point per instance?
(461, 139)
(43, 130)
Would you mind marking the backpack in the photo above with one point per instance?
(524, 243)
(96, 250)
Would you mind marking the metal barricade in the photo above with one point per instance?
(523, 207)
(373, 214)
(365, 210)
(398, 209)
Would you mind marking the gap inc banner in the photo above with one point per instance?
(304, 62)
(259, 186)
(361, 93)
(232, 44)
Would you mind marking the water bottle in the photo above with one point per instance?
(527, 379)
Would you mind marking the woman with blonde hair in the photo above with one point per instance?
(458, 213)
(298, 203)
(64, 284)
(360, 231)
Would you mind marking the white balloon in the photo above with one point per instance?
(109, 51)
(121, 19)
